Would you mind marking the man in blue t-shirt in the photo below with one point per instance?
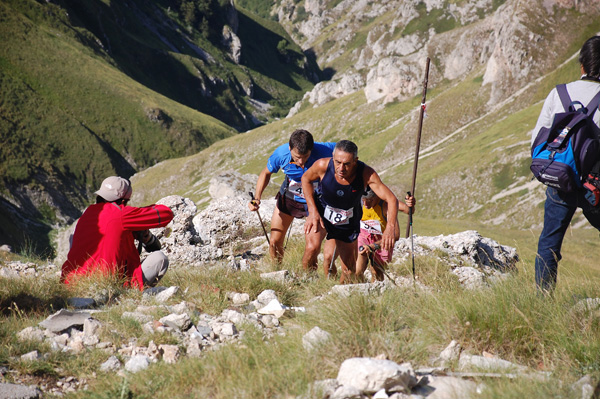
(294, 159)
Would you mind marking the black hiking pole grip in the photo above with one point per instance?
(260, 219)
(418, 144)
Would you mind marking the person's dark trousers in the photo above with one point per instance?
(558, 212)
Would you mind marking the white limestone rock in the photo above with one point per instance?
(315, 338)
(31, 334)
(450, 354)
(91, 327)
(469, 362)
(137, 363)
(280, 276)
(31, 356)
(369, 375)
(111, 364)
(447, 388)
(238, 298)
(170, 353)
(178, 321)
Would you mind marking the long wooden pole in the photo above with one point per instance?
(421, 113)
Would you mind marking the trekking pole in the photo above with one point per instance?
(422, 112)
(332, 260)
(412, 244)
(260, 219)
(374, 263)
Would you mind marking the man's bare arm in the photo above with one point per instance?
(372, 179)
(315, 172)
(263, 181)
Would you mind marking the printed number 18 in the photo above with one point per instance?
(337, 218)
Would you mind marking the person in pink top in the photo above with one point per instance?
(103, 241)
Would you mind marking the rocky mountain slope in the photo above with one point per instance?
(490, 71)
(380, 46)
(492, 64)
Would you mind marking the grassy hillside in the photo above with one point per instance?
(70, 117)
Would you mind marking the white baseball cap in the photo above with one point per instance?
(114, 188)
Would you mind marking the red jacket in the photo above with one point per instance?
(103, 240)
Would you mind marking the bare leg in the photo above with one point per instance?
(280, 222)
(361, 265)
(348, 254)
(381, 259)
(377, 273)
(329, 256)
(312, 248)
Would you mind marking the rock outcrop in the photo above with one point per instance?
(231, 41)
(503, 41)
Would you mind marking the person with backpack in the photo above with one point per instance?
(563, 199)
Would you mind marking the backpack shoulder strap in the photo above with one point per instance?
(594, 104)
(596, 169)
(563, 94)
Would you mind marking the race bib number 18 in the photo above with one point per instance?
(338, 216)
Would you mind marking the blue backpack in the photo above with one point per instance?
(565, 153)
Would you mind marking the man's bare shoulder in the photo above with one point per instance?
(368, 172)
(321, 164)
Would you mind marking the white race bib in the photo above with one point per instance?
(295, 188)
(338, 216)
(371, 226)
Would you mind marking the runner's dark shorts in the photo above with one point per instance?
(348, 233)
(291, 207)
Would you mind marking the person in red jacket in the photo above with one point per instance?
(103, 241)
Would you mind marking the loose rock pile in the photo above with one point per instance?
(216, 232)
(224, 225)
(381, 378)
(77, 331)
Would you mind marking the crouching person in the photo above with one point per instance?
(103, 241)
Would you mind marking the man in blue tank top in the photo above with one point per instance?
(294, 159)
(336, 205)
